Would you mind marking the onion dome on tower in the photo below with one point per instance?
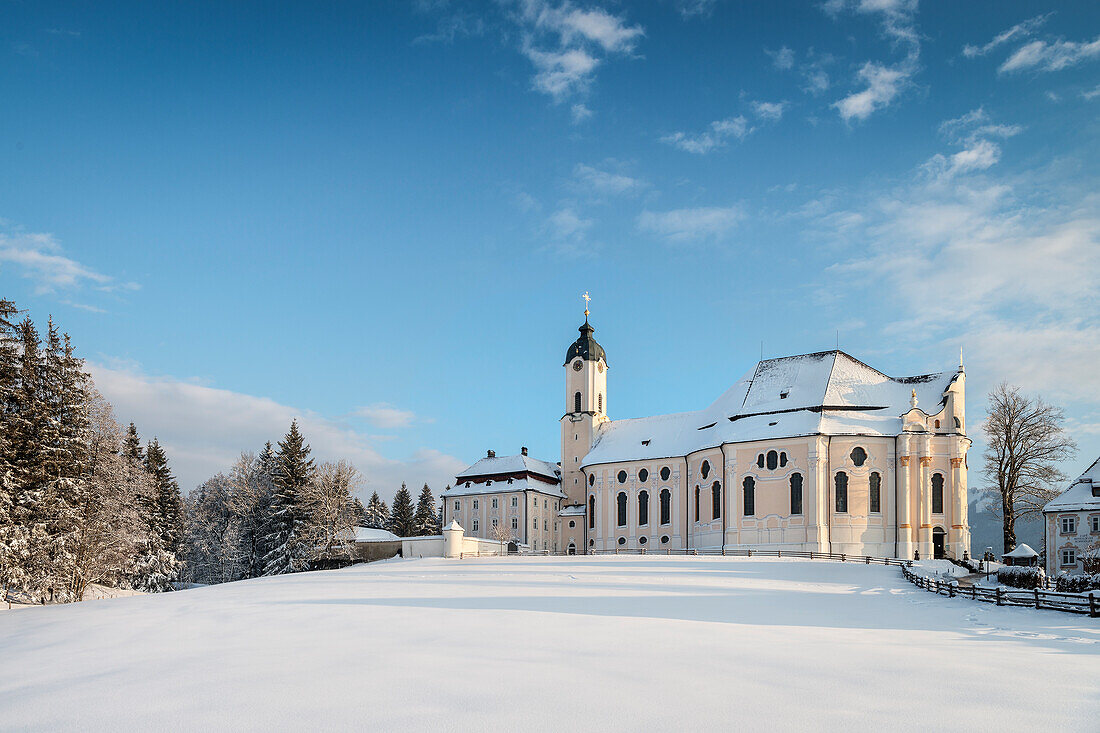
(585, 347)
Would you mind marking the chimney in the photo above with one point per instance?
(490, 454)
(523, 450)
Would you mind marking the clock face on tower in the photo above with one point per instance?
(577, 365)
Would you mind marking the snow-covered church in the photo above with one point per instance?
(814, 452)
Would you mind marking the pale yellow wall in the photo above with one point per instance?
(1080, 540)
(532, 508)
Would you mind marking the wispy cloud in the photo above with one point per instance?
(1091, 94)
(882, 83)
(580, 113)
(566, 43)
(451, 26)
(567, 224)
(386, 416)
(204, 428)
(1015, 33)
(975, 132)
(686, 225)
(600, 181)
(769, 110)
(1052, 56)
(39, 258)
(782, 59)
(715, 137)
(692, 8)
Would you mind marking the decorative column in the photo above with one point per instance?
(958, 509)
(905, 502)
(925, 507)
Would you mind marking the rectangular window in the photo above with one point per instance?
(515, 523)
(494, 523)
(545, 503)
(1069, 557)
(475, 504)
(494, 503)
(1095, 522)
(796, 498)
(475, 525)
(876, 500)
(515, 501)
(456, 505)
(536, 522)
(1069, 525)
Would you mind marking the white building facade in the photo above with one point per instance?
(813, 452)
(1071, 524)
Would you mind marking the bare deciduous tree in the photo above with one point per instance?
(330, 526)
(1026, 443)
(501, 534)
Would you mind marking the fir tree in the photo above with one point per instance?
(426, 521)
(131, 445)
(158, 565)
(11, 539)
(376, 514)
(167, 505)
(359, 511)
(293, 472)
(401, 521)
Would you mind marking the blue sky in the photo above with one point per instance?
(380, 217)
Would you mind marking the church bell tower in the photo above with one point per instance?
(585, 407)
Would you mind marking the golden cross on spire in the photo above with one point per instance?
(586, 299)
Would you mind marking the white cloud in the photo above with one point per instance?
(1091, 93)
(1053, 56)
(1016, 32)
(39, 258)
(386, 416)
(972, 131)
(580, 113)
(781, 59)
(689, 8)
(769, 110)
(683, 225)
(563, 42)
(720, 131)
(204, 429)
(565, 223)
(604, 182)
(883, 85)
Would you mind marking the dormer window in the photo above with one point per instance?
(645, 442)
(784, 394)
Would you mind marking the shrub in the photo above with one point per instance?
(1021, 577)
(1077, 582)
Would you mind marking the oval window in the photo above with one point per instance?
(643, 540)
(760, 460)
(622, 540)
(643, 475)
(664, 539)
(572, 524)
(859, 456)
(665, 473)
(782, 459)
(705, 469)
(621, 477)
(592, 479)
(773, 460)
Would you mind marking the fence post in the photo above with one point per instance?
(951, 590)
(868, 560)
(1093, 610)
(843, 557)
(999, 596)
(750, 552)
(811, 554)
(779, 553)
(1037, 597)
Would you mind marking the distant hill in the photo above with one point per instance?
(986, 530)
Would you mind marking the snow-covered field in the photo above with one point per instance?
(613, 643)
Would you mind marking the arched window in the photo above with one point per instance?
(601, 401)
(621, 477)
(749, 502)
(591, 512)
(958, 423)
(937, 493)
(760, 461)
(841, 492)
(705, 469)
(620, 502)
(876, 492)
(773, 460)
(796, 493)
(937, 424)
(859, 456)
(643, 476)
(665, 473)
(716, 500)
(666, 506)
(577, 402)
(696, 503)
(592, 479)
(643, 508)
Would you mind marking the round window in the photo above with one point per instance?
(621, 477)
(859, 456)
(665, 473)
(664, 539)
(705, 469)
(622, 540)
(572, 524)
(643, 540)
(643, 475)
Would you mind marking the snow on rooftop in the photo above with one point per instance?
(828, 393)
(503, 487)
(1021, 551)
(1079, 495)
(494, 465)
(369, 534)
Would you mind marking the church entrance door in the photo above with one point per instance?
(939, 538)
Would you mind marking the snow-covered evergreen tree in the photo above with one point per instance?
(401, 521)
(293, 473)
(376, 514)
(158, 565)
(426, 520)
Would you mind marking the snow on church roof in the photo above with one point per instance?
(1079, 495)
(827, 393)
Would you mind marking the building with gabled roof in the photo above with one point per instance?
(1071, 523)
